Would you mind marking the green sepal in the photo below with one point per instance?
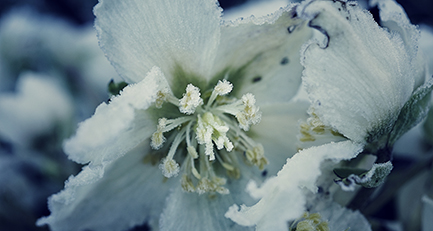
(115, 88)
(346, 172)
(414, 110)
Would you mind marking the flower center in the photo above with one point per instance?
(209, 135)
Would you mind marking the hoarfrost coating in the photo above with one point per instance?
(365, 82)
(169, 150)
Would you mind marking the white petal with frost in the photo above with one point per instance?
(186, 211)
(278, 131)
(266, 52)
(282, 197)
(340, 218)
(137, 35)
(114, 195)
(119, 126)
(394, 18)
(361, 79)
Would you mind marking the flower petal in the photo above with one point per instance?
(282, 197)
(361, 78)
(260, 54)
(137, 35)
(394, 18)
(340, 218)
(115, 195)
(278, 132)
(189, 211)
(119, 126)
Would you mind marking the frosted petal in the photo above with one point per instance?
(361, 78)
(340, 218)
(260, 54)
(114, 195)
(394, 18)
(278, 131)
(119, 126)
(137, 35)
(189, 211)
(282, 197)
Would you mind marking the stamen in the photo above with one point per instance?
(169, 167)
(222, 88)
(256, 156)
(190, 100)
(165, 96)
(165, 125)
(187, 184)
(217, 125)
(157, 138)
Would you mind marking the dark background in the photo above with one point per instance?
(80, 11)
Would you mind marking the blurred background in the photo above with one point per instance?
(53, 75)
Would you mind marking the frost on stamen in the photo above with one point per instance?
(161, 97)
(250, 113)
(257, 157)
(187, 184)
(169, 167)
(158, 139)
(192, 152)
(190, 100)
(311, 222)
(214, 185)
(223, 87)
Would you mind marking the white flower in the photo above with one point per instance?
(202, 93)
(38, 107)
(366, 83)
(45, 44)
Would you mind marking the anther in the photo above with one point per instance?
(169, 167)
(190, 100)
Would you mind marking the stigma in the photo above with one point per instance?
(209, 136)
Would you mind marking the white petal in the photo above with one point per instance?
(261, 56)
(119, 126)
(190, 211)
(137, 35)
(394, 18)
(282, 197)
(361, 79)
(340, 218)
(115, 195)
(278, 131)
